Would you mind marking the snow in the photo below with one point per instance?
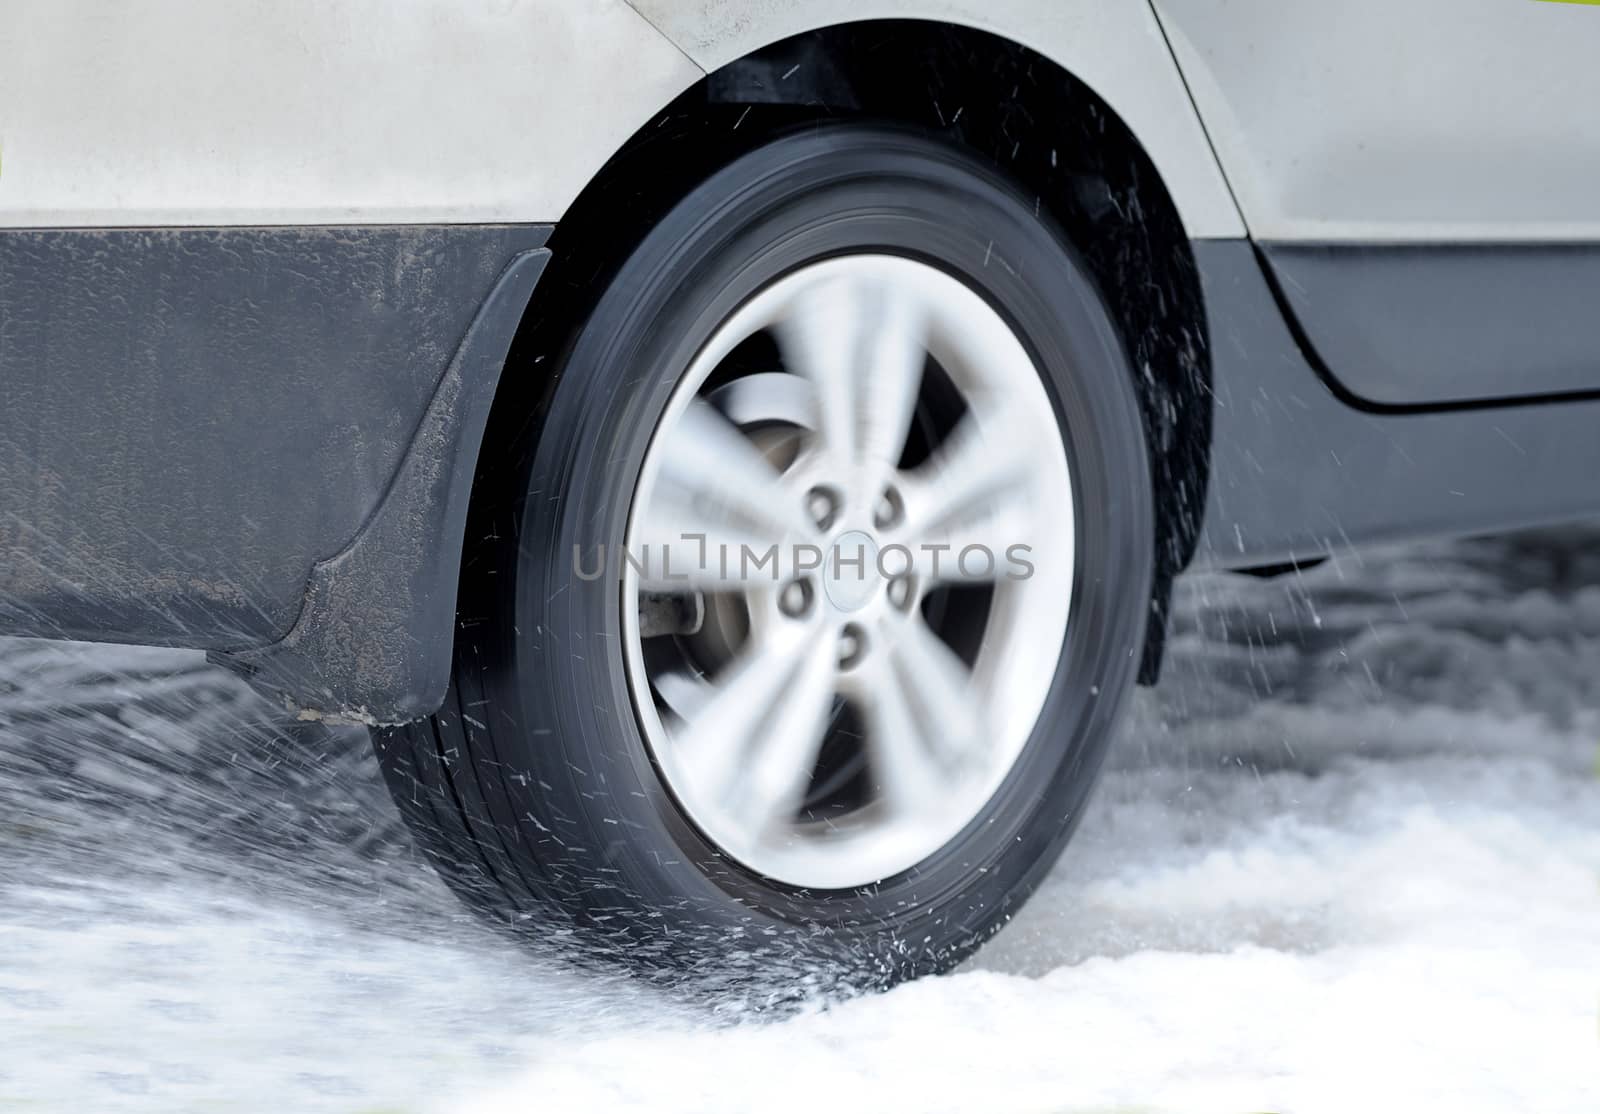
(1347, 858)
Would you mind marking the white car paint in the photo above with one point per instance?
(1378, 121)
(259, 112)
(1115, 47)
(241, 112)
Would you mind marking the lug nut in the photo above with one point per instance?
(822, 506)
(852, 645)
(890, 509)
(795, 599)
(900, 592)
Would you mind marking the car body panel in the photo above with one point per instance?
(1424, 179)
(293, 112)
(1117, 49)
(359, 111)
(1373, 121)
(314, 112)
(1434, 325)
(1297, 472)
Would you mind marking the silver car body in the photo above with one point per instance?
(1384, 121)
(250, 112)
(1362, 120)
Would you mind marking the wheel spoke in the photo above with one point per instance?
(904, 760)
(980, 545)
(752, 747)
(896, 354)
(685, 692)
(715, 494)
(938, 686)
(863, 346)
(975, 488)
(768, 396)
(821, 340)
(708, 456)
(679, 545)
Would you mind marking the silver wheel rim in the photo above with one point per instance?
(832, 727)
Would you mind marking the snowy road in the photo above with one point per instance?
(1348, 859)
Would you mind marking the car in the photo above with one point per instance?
(735, 457)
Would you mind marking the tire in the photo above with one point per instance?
(537, 790)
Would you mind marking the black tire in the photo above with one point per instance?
(532, 786)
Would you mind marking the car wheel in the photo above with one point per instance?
(800, 627)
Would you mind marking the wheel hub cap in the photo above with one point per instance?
(851, 565)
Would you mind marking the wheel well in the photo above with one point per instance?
(1011, 106)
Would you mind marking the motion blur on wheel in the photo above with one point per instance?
(819, 586)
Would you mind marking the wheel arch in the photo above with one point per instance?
(1118, 51)
(1020, 111)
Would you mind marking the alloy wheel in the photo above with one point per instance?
(848, 571)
